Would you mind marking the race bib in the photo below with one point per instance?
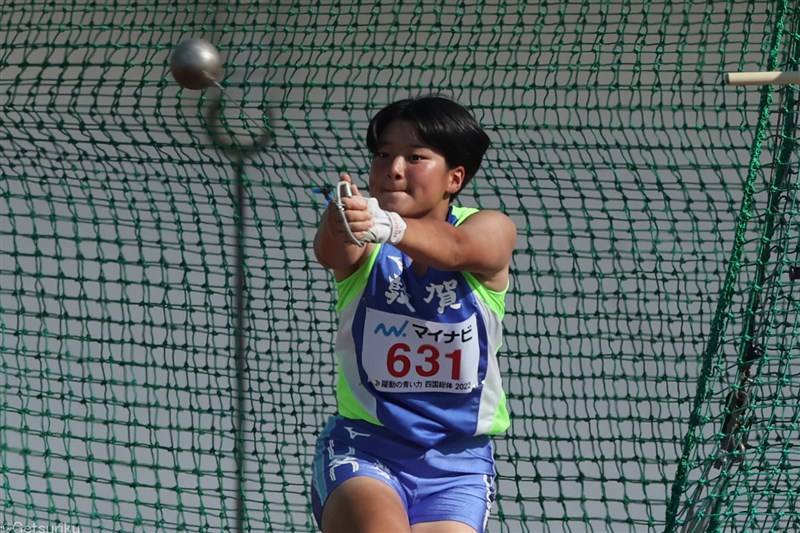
(403, 354)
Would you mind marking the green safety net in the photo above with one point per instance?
(166, 334)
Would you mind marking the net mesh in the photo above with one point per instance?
(651, 358)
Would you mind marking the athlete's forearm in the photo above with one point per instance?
(434, 243)
(332, 248)
(483, 244)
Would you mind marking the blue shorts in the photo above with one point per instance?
(452, 481)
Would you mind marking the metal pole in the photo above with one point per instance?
(228, 144)
(240, 343)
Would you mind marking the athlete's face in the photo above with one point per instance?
(409, 177)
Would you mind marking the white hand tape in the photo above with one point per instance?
(387, 226)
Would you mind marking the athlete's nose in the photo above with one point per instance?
(396, 168)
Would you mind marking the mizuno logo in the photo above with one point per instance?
(391, 330)
(353, 433)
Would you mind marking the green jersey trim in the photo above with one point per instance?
(501, 421)
(494, 299)
(350, 288)
(349, 406)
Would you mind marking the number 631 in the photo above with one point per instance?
(399, 364)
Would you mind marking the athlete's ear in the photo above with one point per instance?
(455, 179)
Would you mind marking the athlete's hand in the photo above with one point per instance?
(387, 226)
(364, 218)
(350, 215)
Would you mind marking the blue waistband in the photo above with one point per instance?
(455, 455)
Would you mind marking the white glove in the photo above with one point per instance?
(387, 226)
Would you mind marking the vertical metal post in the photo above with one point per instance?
(239, 333)
(228, 144)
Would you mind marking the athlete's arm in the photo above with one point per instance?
(482, 245)
(333, 247)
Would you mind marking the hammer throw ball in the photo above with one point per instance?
(195, 64)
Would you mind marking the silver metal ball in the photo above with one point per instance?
(195, 64)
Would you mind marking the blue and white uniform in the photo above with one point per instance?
(417, 362)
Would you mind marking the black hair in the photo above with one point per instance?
(442, 124)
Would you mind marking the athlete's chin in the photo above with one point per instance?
(394, 201)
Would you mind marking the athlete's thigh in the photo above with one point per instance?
(364, 505)
(453, 504)
(352, 490)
